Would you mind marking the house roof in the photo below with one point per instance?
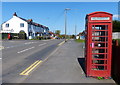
(30, 21)
(51, 32)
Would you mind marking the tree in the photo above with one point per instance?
(57, 32)
(73, 36)
(116, 26)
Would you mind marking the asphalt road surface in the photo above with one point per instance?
(17, 55)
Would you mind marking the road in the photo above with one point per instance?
(45, 61)
(17, 55)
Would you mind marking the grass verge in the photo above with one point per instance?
(80, 41)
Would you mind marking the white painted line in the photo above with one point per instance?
(61, 43)
(25, 50)
(42, 44)
(2, 47)
(0, 58)
(28, 43)
(7, 47)
(45, 40)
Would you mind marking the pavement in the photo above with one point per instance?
(63, 65)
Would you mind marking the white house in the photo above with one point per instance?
(17, 24)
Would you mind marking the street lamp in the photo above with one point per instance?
(66, 21)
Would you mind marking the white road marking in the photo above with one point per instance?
(7, 47)
(0, 58)
(25, 50)
(42, 44)
(10, 47)
(30, 42)
(1, 47)
(61, 43)
(45, 40)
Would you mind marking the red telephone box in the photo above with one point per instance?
(98, 44)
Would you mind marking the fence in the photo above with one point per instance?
(116, 61)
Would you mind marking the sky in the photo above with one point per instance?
(51, 14)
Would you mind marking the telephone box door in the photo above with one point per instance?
(99, 49)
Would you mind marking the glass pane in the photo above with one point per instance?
(21, 24)
(99, 62)
(99, 33)
(99, 56)
(7, 25)
(100, 27)
(100, 45)
(99, 50)
(102, 39)
(99, 67)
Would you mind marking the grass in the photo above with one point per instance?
(80, 41)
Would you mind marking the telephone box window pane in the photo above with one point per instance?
(102, 39)
(99, 56)
(100, 44)
(99, 33)
(99, 67)
(98, 50)
(99, 62)
(100, 27)
(93, 27)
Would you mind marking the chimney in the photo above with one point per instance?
(15, 14)
(30, 20)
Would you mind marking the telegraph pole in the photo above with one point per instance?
(75, 31)
(66, 22)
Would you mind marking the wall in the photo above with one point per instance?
(116, 35)
(14, 24)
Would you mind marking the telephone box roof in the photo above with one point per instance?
(98, 12)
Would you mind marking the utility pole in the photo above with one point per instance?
(66, 22)
(75, 31)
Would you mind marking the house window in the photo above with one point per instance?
(21, 24)
(7, 25)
